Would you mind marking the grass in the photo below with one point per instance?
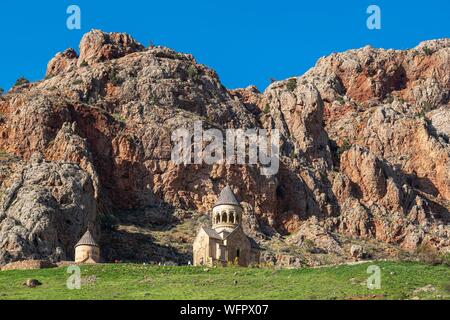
(132, 281)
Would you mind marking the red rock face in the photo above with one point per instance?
(97, 46)
(62, 62)
(362, 153)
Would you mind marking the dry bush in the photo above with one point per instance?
(429, 255)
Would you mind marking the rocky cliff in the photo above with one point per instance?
(365, 151)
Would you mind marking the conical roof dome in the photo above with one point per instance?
(227, 197)
(87, 240)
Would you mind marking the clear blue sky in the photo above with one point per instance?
(246, 42)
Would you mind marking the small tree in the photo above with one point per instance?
(292, 84)
(193, 73)
(427, 51)
(21, 81)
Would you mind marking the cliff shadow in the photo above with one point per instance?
(138, 247)
(297, 200)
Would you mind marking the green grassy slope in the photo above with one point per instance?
(400, 280)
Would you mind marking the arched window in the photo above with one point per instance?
(217, 218)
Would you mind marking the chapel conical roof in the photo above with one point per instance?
(87, 240)
(227, 197)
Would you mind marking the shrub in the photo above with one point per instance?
(308, 244)
(293, 155)
(346, 145)
(114, 78)
(77, 82)
(267, 109)
(340, 99)
(119, 118)
(154, 100)
(310, 247)
(427, 51)
(179, 56)
(21, 81)
(429, 255)
(83, 64)
(389, 99)
(421, 114)
(403, 255)
(2, 91)
(425, 108)
(3, 154)
(292, 84)
(193, 73)
(446, 259)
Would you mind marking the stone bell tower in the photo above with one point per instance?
(227, 212)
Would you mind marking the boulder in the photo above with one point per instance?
(357, 252)
(98, 46)
(62, 62)
(32, 283)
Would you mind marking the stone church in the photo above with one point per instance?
(226, 241)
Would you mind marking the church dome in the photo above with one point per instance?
(87, 240)
(227, 212)
(227, 197)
